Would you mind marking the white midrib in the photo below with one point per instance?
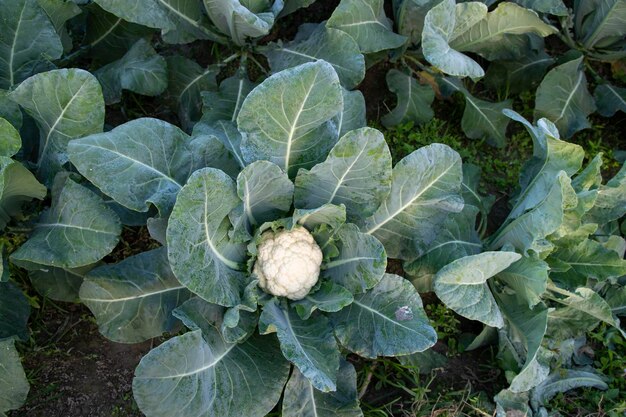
(378, 313)
(215, 361)
(493, 127)
(343, 176)
(247, 204)
(312, 394)
(612, 90)
(209, 240)
(340, 262)
(364, 22)
(571, 95)
(411, 201)
(232, 119)
(195, 80)
(105, 34)
(117, 300)
(589, 43)
(312, 58)
(72, 226)
(178, 13)
(17, 30)
(292, 131)
(56, 122)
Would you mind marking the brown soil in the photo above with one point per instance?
(74, 371)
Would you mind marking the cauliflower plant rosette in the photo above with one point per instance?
(277, 216)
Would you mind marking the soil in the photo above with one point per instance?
(73, 370)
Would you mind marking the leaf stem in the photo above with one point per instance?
(368, 380)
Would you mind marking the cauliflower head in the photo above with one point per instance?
(288, 263)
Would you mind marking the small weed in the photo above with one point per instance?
(446, 324)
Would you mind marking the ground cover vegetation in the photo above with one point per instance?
(230, 187)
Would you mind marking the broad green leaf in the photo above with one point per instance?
(353, 115)
(470, 191)
(529, 326)
(462, 285)
(226, 103)
(515, 76)
(293, 5)
(10, 141)
(563, 98)
(356, 173)
(528, 231)
(366, 23)
(424, 362)
(550, 156)
(191, 376)
(457, 239)
(108, 36)
(13, 383)
(440, 28)
(14, 312)
(553, 7)
(266, 192)
(389, 320)
(331, 45)
(142, 162)
(308, 344)
(528, 278)
(57, 283)
(133, 300)
(610, 99)
(616, 298)
(141, 70)
(489, 36)
(213, 149)
(610, 204)
(236, 19)
(10, 111)
(66, 104)
(607, 22)
(361, 262)
(59, 12)
(186, 81)
(301, 400)
(590, 176)
(330, 297)
(413, 103)
(17, 185)
(425, 189)
(508, 402)
(589, 259)
(287, 119)
(563, 380)
(27, 40)
(410, 18)
(181, 21)
(77, 230)
(328, 214)
(200, 253)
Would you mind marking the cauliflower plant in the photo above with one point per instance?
(288, 263)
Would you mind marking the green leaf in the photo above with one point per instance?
(527, 326)
(301, 400)
(331, 45)
(366, 23)
(293, 5)
(17, 185)
(240, 22)
(515, 76)
(200, 253)
(424, 362)
(108, 36)
(133, 300)
(610, 99)
(356, 173)
(226, 103)
(610, 204)
(617, 300)
(489, 37)
(66, 104)
(462, 285)
(10, 141)
(528, 278)
(14, 312)
(563, 380)
(59, 12)
(192, 375)
(266, 192)
(457, 239)
(441, 28)
(353, 115)
(308, 344)
(27, 41)
(425, 189)
(141, 70)
(330, 297)
(528, 231)
(145, 151)
(186, 82)
(10, 111)
(606, 23)
(553, 7)
(410, 18)
(212, 149)
(589, 259)
(287, 119)
(328, 214)
(181, 21)
(57, 283)
(13, 383)
(77, 230)
(389, 320)
(563, 98)
(414, 100)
